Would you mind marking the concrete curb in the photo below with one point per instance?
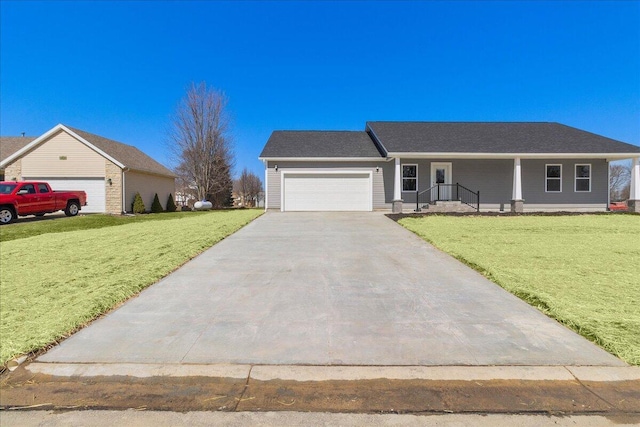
(344, 373)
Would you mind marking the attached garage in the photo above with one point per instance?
(325, 191)
(94, 187)
(110, 172)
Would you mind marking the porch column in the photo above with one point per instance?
(517, 203)
(634, 194)
(396, 206)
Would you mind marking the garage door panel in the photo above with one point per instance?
(327, 192)
(95, 189)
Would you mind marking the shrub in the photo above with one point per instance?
(171, 205)
(138, 205)
(156, 207)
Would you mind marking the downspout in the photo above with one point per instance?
(266, 183)
(124, 192)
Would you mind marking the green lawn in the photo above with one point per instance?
(83, 222)
(582, 270)
(55, 281)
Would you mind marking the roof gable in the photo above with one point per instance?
(492, 137)
(123, 155)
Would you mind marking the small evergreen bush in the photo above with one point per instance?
(171, 205)
(156, 207)
(137, 207)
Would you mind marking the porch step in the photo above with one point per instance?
(447, 206)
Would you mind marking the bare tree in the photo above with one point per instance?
(619, 181)
(249, 188)
(201, 141)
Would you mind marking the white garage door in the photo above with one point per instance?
(95, 189)
(327, 191)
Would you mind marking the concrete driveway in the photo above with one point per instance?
(327, 288)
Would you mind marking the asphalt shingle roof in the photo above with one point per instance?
(320, 144)
(11, 144)
(492, 137)
(128, 155)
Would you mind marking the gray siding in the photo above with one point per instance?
(533, 183)
(382, 179)
(492, 177)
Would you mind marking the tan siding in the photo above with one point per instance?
(113, 194)
(81, 161)
(147, 185)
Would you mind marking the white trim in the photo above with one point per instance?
(448, 178)
(47, 135)
(124, 190)
(403, 178)
(517, 180)
(547, 178)
(608, 185)
(576, 178)
(454, 155)
(397, 180)
(634, 193)
(266, 184)
(322, 159)
(284, 172)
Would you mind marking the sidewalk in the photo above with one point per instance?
(611, 391)
(278, 419)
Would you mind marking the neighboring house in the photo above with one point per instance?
(109, 172)
(400, 166)
(10, 145)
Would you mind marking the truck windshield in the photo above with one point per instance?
(7, 188)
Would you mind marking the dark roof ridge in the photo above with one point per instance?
(319, 130)
(459, 121)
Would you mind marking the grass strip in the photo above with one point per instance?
(53, 283)
(48, 224)
(580, 270)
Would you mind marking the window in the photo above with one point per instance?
(409, 177)
(42, 188)
(29, 187)
(553, 179)
(583, 178)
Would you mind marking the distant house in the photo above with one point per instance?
(71, 159)
(406, 166)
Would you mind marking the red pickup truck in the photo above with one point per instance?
(36, 198)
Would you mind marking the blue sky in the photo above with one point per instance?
(119, 69)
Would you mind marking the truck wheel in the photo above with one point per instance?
(72, 209)
(6, 215)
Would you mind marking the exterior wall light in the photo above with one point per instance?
(109, 181)
(276, 168)
(377, 169)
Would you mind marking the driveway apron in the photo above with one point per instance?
(327, 289)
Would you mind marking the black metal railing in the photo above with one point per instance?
(448, 192)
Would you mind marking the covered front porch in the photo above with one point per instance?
(515, 184)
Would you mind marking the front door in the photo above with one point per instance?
(441, 174)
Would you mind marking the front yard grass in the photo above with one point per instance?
(53, 283)
(82, 222)
(582, 270)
